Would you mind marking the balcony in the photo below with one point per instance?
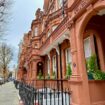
(57, 36)
(57, 13)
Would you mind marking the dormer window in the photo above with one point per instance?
(36, 31)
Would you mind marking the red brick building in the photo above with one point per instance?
(66, 34)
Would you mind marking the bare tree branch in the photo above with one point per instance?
(6, 55)
(4, 14)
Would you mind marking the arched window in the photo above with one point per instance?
(54, 63)
(68, 56)
(87, 48)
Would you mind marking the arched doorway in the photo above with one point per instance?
(94, 39)
(91, 31)
(39, 69)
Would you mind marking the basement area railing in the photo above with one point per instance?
(31, 95)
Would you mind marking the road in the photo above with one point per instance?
(8, 94)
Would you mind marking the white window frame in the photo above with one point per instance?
(89, 53)
(48, 66)
(68, 56)
(54, 63)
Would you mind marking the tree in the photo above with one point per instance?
(10, 74)
(6, 55)
(4, 14)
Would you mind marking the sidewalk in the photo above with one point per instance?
(8, 94)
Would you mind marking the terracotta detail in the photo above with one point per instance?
(82, 19)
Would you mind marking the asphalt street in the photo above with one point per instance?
(8, 94)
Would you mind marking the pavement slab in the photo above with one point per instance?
(8, 94)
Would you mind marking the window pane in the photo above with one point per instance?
(68, 56)
(87, 48)
(54, 63)
(48, 65)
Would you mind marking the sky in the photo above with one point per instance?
(22, 14)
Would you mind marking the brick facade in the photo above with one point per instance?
(52, 32)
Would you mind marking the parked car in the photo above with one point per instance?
(1, 80)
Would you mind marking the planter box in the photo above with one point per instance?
(97, 91)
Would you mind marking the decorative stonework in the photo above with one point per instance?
(57, 49)
(69, 24)
(81, 5)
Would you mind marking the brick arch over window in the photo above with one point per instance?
(90, 13)
(80, 27)
(93, 34)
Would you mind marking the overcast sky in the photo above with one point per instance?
(23, 12)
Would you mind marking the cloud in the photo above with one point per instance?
(22, 16)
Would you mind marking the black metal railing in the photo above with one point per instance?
(42, 96)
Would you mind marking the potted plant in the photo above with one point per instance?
(99, 75)
(91, 65)
(53, 75)
(40, 76)
(48, 76)
(68, 71)
(93, 70)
